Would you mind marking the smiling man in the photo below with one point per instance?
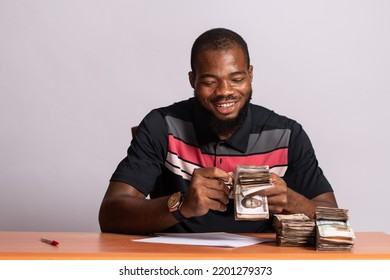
(182, 155)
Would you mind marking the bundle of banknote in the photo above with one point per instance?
(329, 213)
(248, 180)
(334, 232)
(294, 230)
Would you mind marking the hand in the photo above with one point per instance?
(206, 192)
(277, 195)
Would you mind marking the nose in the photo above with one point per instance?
(224, 88)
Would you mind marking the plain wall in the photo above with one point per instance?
(76, 75)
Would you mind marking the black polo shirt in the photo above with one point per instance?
(172, 141)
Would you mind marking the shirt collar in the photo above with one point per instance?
(239, 140)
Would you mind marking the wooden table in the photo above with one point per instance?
(105, 246)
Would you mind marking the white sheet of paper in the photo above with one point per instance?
(216, 239)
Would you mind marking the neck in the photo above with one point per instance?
(225, 135)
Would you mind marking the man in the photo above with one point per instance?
(183, 155)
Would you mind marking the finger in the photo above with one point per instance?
(277, 200)
(212, 172)
(228, 184)
(229, 177)
(216, 184)
(227, 180)
(279, 187)
(217, 205)
(275, 209)
(274, 178)
(218, 195)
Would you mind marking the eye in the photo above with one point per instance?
(208, 82)
(238, 80)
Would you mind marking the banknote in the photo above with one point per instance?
(294, 230)
(250, 179)
(334, 233)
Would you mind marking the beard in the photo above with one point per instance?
(225, 126)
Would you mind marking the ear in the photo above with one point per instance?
(250, 72)
(191, 77)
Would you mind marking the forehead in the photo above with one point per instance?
(209, 60)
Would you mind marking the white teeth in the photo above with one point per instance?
(225, 105)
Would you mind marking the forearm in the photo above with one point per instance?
(134, 215)
(297, 203)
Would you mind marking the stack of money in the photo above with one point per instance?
(329, 213)
(253, 178)
(334, 232)
(249, 180)
(294, 230)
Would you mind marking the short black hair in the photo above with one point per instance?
(218, 39)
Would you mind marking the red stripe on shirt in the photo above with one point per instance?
(228, 163)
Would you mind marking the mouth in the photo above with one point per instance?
(225, 108)
(225, 105)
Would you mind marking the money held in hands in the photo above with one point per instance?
(248, 180)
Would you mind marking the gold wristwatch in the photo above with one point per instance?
(174, 203)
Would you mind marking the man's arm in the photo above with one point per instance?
(126, 210)
(282, 199)
(297, 203)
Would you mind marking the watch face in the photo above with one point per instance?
(174, 200)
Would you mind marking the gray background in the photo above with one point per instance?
(76, 75)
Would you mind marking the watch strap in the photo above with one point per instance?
(179, 216)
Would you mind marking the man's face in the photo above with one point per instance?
(222, 82)
(251, 202)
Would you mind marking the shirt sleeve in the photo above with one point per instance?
(304, 174)
(146, 155)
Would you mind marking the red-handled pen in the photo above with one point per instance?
(51, 242)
